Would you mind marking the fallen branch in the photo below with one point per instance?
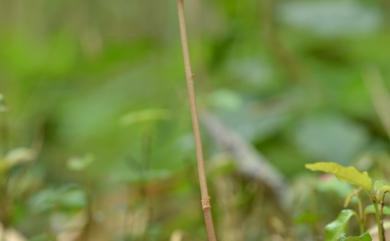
(248, 160)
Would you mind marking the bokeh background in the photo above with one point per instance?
(95, 119)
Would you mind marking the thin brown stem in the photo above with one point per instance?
(205, 198)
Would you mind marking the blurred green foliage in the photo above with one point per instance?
(97, 88)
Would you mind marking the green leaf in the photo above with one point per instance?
(225, 99)
(66, 198)
(20, 155)
(80, 163)
(148, 115)
(15, 157)
(371, 210)
(336, 229)
(330, 138)
(363, 237)
(330, 18)
(348, 174)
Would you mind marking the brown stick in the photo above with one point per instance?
(205, 198)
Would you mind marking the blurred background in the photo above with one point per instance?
(96, 141)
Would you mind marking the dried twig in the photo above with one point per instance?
(249, 162)
(205, 199)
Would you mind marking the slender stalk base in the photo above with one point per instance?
(205, 199)
(379, 219)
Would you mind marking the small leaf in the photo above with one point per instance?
(65, 198)
(348, 174)
(363, 237)
(371, 210)
(20, 155)
(72, 199)
(17, 156)
(225, 99)
(80, 163)
(336, 229)
(148, 115)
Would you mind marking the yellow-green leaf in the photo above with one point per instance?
(348, 174)
(147, 115)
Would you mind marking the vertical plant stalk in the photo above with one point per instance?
(381, 205)
(379, 219)
(362, 217)
(205, 198)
